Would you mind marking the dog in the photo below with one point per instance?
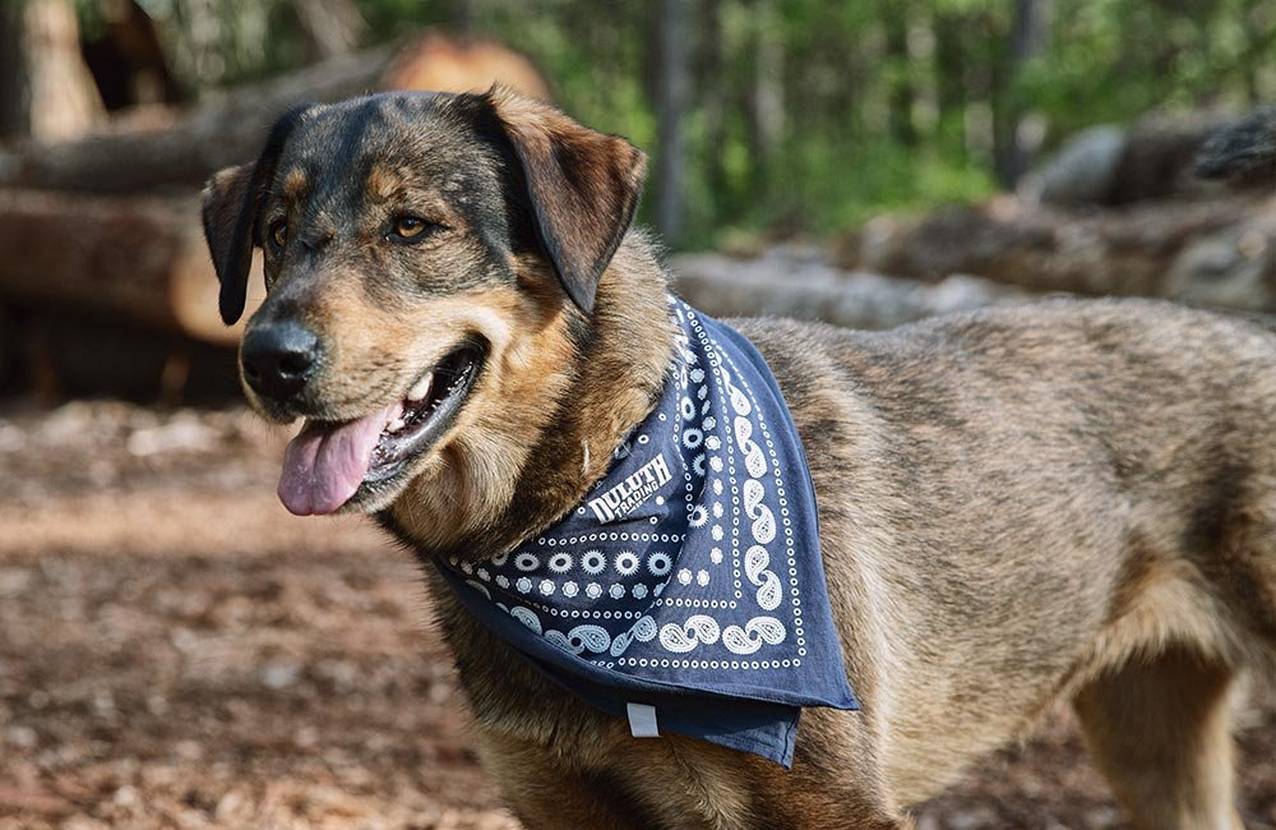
(1070, 500)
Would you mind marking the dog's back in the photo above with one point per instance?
(1056, 499)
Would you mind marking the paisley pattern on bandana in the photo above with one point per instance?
(694, 563)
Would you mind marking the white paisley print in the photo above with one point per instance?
(685, 556)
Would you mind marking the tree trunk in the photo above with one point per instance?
(765, 101)
(46, 91)
(672, 92)
(950, 74)
(713, 94)
(1028, 38)
(461, 16)
(901, 87)
(15, 88)
(331, 27)
(127, 58)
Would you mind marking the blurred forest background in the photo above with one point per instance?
(178, 651)
(786, 114)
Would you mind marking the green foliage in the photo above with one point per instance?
(1112, 60)
(809, 115)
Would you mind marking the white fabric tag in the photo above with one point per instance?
(642, 721)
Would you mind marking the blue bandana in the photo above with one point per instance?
(687, 591)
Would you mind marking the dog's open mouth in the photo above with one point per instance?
(329, 462)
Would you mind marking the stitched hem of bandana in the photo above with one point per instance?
(571, 566)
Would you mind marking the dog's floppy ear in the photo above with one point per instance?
(232, 201)
(583, 187)
(227, 208)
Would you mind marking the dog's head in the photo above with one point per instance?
(419, 250)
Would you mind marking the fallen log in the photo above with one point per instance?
(143, 260)
(227, 130)
(230, 127)
(1126, 252)
(451, 64)
(778, 287)
(1109, 165)
(133, 258)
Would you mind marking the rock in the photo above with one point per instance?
(1110, 165)
(1082, 171)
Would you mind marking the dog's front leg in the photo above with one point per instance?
(544, 795)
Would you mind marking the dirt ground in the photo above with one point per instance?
(177, 651)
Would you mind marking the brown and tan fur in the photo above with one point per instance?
(1070, 500)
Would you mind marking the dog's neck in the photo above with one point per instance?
(512, 474)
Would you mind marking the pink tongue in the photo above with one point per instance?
(325, 464)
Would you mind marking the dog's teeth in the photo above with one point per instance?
(421, 389)
(397, 424)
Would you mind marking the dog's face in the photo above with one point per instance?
(430, 261)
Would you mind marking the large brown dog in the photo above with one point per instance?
(1067, 500)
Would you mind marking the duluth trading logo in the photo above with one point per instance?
(620, 500)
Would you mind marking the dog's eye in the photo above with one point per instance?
(410, 228)
(278, 233)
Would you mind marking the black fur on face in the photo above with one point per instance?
(408, 237)
(518, 175)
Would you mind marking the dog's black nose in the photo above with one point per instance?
(279, 358)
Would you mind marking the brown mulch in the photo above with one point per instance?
(177, 651)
